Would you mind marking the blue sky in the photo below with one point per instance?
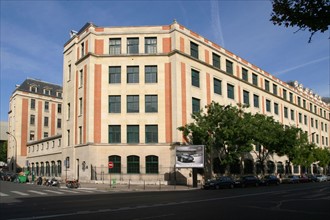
(33, 34)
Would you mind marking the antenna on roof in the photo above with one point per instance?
(73, 33)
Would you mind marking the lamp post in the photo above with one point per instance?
(15, 151)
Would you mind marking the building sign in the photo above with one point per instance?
(191, 156)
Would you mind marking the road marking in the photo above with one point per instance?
(37, 192)
(3, 194)
(20, 193)
(68, 191)
(52, 191)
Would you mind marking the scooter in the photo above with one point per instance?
(52, 182)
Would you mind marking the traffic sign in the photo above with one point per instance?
(110, 164)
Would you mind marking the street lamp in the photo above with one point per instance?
(15, 151)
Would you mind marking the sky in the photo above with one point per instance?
(33, 34)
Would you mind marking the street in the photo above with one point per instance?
(286, 201)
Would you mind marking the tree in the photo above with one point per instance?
(322, 156)
(3, 151)
(313, 15)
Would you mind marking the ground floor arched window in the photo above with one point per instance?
(59, 167)
(47, 169)
(133, 164)
(116, 160)
(151, 164)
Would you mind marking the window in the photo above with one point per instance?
(46, 121)
(133, 164)
(46, 106)
(116, 160)
(286, 112)
(132, 74)
(34, 89)
(312, 122)
(304, 103)
(230, 91)
(266, 85)
(59, 94)
(32, 119)
(194, 50)
(132, 45)
(31, 135)
(59, 108)
(133, 135)
(299, 101)
(81, 78)
(80, 106)
(315, 109)
(305, 119)
(151, 134)
(195, 78)
(316, 123)
(255, 79)
(69, 110)
(47, 91)
(114, 104)
(132, 103)
(150, 74)
(310, 107)
(229, 67)
(285, 94)
(268, 105)
(196, 105)
(292, 114)
(69, 72)
(150, 45)
(114, 134)
(276, 108)
(68, 136)
(274, 89)
(217, 86)
(80, 134)
(115, 46)
(151, 103)
(114, 74)
(59, 123)
(245, 75)
(45, 134)
(300, 117)
(82, 49)
(33, 104)
(291, 97)
(216, 60)
(256, 101)
(151, 164)
(246, 97)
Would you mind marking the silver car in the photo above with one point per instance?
(321, 178)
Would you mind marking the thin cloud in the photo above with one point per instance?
(301, 65)
(216, 22)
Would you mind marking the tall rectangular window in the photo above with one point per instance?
(304, 103)
(150, 74)
(59, 123)
(217, 86)
(151, 103)
(266, 85)
(229, 67)
(150, 45)
(69, 72)
(80, 106)
(114, 134)
(274, 89)
(195, 78)
(268, 105)
(59, 108)
(286, 112)
(300, 118)
(46, 121)
(196, 105)
(245, 75)
(246, 97)
(132, 45)
(132, 74)
(305, 119)
(80, 134)
(132, 103)
(33, 104)
(114, 74)
(194, 50)
(255, 79)
(230, 91)
(46, 106)
(69, 111)
(292, 114)
(82, 49)
(216, 60)
(291, 97)
(312, 122)
(114, 104)
(285, 94)
(151, 133)
(32, 119)
(299, 101)
(133, 135)
(114, 46)
(276, 108)
(81, 78)
(68, 136)
(256, 101)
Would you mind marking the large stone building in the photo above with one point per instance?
(127, 90)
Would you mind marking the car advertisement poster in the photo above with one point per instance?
(191, 156)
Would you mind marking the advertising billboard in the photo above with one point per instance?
(190, 156)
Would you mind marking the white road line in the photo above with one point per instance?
(3, 194)
(52, 191)
(68, 191)
(37, 192)
(83, 190)
(20, 193)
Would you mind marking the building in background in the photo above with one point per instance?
(3, 144)
(35, 113)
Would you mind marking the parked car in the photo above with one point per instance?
(244, 181)
(185, 158)
(291, 179)
(328, 177)
(221, 182)
(321, 178)
(312, 178)
(270, 180)
(303, 179)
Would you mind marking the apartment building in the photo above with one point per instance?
(128, 89)
(35, 114)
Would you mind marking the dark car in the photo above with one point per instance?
(312, 178)
(244, 181)
(270, 180)
(303, 179)
(291, 179)
(221, 182)
(185, 158)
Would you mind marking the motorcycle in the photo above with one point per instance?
(72, 184)
(52, 182)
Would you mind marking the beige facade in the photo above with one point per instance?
(35, 113)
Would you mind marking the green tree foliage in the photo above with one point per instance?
(3, 151)
(322, 156)
(313, 15)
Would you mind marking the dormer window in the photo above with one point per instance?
(47, 91)
(34, 89)
(59, 94)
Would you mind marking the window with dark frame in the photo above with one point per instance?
(115, 46)
(114, 103)
(132, 103)
(245, 75)
(132, 45)
(150, 74)
(230, 91)
(133, 164)
(194, 50)
(114, 74)
(133, 74)
(114, 134)
(133, 134)
(217, 86)
(151, 164)
(194, 77)
(216, 60)
(246, 97)
(151, 135)
(150, 44)
(116, 160)
(151, 103)
(229, 67)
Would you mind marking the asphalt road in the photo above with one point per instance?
(298, 201)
